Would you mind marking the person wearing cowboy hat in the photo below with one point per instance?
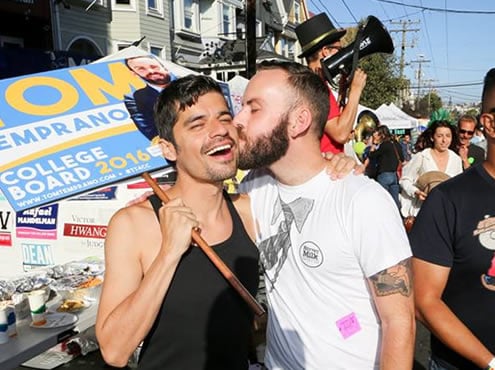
(319, 39)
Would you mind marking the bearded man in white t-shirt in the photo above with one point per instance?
(335, 253)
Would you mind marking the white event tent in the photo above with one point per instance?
(394, 118)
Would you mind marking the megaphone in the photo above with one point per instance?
(372, 38)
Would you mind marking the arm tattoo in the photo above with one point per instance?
(395, 279)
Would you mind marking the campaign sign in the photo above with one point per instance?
(37, 223)
(67, 132)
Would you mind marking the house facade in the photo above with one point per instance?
(208, 36)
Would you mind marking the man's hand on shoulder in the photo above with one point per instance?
(339, 165)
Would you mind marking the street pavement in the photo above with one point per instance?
(94, 361)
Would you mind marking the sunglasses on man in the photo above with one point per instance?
(462, 131)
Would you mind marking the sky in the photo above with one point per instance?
(453, 39)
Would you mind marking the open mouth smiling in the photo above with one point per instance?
(220, 150)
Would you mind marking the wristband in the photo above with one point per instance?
(491, 365)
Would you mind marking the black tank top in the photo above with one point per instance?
(203, 322)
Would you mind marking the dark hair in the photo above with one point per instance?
(488, 95)
(316, 55)
(179, 94)
(426, 139)
(384, 133)
(126, 61)
(308, 86)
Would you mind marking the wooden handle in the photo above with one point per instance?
(211, 254)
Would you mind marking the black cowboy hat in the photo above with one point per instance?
(315, 33)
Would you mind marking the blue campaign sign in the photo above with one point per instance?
(67, 132)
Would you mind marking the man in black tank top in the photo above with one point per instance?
(161, 290)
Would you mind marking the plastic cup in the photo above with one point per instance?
(37, 299)
(11, 321)
(4, 325)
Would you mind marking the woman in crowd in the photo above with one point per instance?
(438, 154)
(388, 155)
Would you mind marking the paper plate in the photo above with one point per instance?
(56, 320)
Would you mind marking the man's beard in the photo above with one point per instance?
(216, 175)
(265, 150)
(163, 80)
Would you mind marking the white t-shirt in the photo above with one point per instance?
(321, 314)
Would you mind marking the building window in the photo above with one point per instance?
(187, 16)
(129, 5)
(11, 42)
(283, 46)
(297, 13)
(226, 16)
(271, 39)
(291, 48)
(155, 7)
(156, 51)
(259, 29)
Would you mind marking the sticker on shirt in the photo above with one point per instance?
(486, 235)
(310, 254)
(348, 325)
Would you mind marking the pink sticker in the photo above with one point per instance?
(348, 325)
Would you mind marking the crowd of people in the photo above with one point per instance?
(343, 279)
(409, 171)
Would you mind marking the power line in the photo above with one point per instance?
(329, 14)
(349, 10)
(428, 39)
(447, 39)
(387, 20)
(316, 6)
(461, 69)
(484, 12)
(384, 11)
(409, 15)
(461, 94)
(453, 85)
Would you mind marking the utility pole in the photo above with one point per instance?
(428, 83)
(420, 62)
(403, 31)
(250, 38)
(405, 24)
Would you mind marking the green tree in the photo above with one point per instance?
(383, 84)
(473, 111)
(429, 103)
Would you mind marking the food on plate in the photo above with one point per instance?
(70, 305)
(91, 282)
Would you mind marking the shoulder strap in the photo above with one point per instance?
(233, 211)
(156, 203)
(395, 150)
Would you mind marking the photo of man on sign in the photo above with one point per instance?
(141, 102)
